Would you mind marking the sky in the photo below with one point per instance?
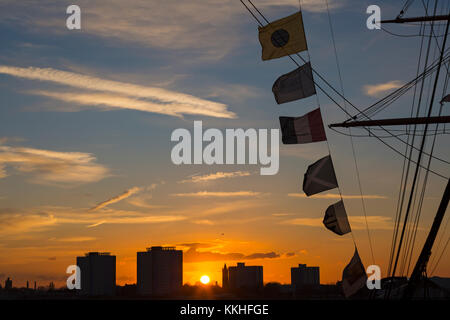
(86, 118)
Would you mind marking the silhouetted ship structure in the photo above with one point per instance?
(286, 37)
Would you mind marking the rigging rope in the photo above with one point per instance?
(444, 231)
(422, 144)
(406, 35)
(422, 196)
(405, 7)
(441, 132)
(408, 168)
(351, 138)
(440, 257)
(333, 100)
(410, 233)
(404, 177)
(318, 103)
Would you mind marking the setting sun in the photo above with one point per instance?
(204, 279)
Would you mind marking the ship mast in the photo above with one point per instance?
(421, 264)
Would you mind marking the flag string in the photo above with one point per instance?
(336, 91)
(351, 138)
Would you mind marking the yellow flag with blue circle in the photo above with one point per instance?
(283, 37)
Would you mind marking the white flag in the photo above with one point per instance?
(297, 84)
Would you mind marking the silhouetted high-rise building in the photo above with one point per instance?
(8, 284)
(243, 276)
(305, 276)
(225, 277)
(159, 271)
(98, 273)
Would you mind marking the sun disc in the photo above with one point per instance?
(204, 279)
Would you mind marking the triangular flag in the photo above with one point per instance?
(446, 98)
(305, 129)
(283, 37)
(297, 84)
(336, 219)
(354, 276)
(319, 177)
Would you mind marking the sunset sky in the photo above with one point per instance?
(86, 118)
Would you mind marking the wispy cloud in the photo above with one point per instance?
(15, 222)
(75, 239)
(282, 214)
(356, 222)
(117, 94)
(307, 5)
(19, 222)
(215, 176)
(377, 89)
(209, 36)
(205, 194)
(141, 199)
(336, 196)
(52, 167)
(197, 252)
(137, 218)
(233, 206)
(204, 222)
(115, 199)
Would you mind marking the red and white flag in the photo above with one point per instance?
(305, 129)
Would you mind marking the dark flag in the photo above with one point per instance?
(320, 176)
(354, 276)
(297, 84)
(305, 129)
(336, 219)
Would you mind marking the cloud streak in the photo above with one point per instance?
(117, 94)
(206, 194)
(14, 222)
(120, 197)
(307, 5)
(52, 167)
(19, 222)
(377, 89)
(216, 176)
(193, 254)
(75, 239)
(356, 222)
(172, 27)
